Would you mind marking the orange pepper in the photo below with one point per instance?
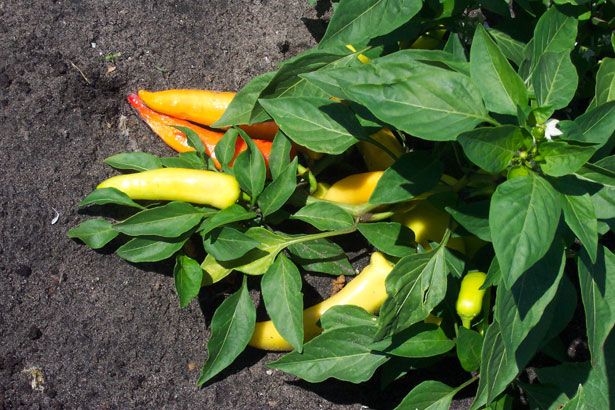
(201, 106)
(163, 126)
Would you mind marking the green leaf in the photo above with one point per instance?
(430, 394)
(255, 262)
(240, 110)
(599, 172)
(316, 123)
(411, 175)
(513, 50)
(166, 221)
(492, 148)
(415, 286)
(605, 81)
(455, 47)
(501, 87)
(104, 196)
(193, 139)
(562, 158)
(232, 214)
(426, 101)
(543, 396)
(391, 238)
(281, 289)
(136, 161)
(597, 284)
(184, 160)
(225, 148)
(188, 277)
(469, 344)
(325, 216)
(594, 127)
(227, 244)
(565, 376)
(213, 272)
(339, 316)
(519, 309)
(139, 250)
(323, 256)
(95, 233)
(279, 158)
(497, 369)
(474, 217)
(275, 195)
(577, 402)
(523, 217)
(555, 32)
(250, 169)
(580, 216)
(419, 340)
(358, 21)
(231, 329)
(340, 353)
(555, 80)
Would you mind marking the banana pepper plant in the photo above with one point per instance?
(480, 173)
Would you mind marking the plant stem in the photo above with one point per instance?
(321, 235)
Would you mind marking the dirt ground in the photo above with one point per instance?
(97, 332)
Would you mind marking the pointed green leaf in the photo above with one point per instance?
(325, 216)
(555, 80)
(562, 158)
(166, 221)
(140, 250)
(523, 217)
(281, 289)
(501, 87)
(135, 161)
(316, 123)
(104, 196)
(95, 233)
(231, 329)
(492, 148)
(275, 195)
(188, 277)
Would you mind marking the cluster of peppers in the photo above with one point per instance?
(166, 112)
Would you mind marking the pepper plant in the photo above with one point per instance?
(506, 128)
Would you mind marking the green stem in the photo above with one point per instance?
(491, 121)
(466, 384)
(376, 217)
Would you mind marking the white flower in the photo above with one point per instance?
(551, 129)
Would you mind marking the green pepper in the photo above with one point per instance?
(470, 299)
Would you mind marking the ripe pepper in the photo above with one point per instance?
(178, 184)
(375, 158)
(366, 290)
(163, 126)
(470, 299)
(354, 189)
(201, 106)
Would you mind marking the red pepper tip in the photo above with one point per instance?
(134, 100)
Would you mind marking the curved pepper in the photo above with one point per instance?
(201, 106)
(366, 290)
(178, 184)
(163, 126)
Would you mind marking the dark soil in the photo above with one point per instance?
(95, 331)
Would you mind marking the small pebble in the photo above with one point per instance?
(23, 270)
(34, 333)
(269, 372)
